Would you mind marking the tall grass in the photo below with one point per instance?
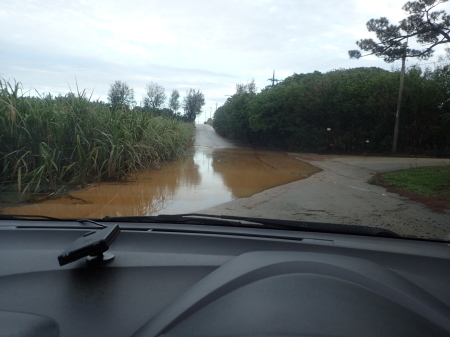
(47, 142)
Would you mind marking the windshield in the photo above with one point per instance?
(331, 111)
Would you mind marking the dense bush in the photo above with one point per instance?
(345, 111)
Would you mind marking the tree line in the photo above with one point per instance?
(354, 110)
(121, 96)
(343, 111)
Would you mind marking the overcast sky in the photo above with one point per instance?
(203, 44)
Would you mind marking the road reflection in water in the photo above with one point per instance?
(206, 178)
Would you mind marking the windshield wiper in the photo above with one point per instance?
(227, 220)
(239, 221)
(43, 218)
(26, 217)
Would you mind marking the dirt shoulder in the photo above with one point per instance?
(340, 193)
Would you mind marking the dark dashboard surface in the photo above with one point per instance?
(208, 281)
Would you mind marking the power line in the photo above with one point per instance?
(422, 64)
(331, 62)
(326, 65)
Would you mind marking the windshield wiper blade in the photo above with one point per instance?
(93, 222)
(237, 221)
(175, 219)
(26, 217)
(44, 217)
(308, 225)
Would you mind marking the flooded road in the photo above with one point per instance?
(213, 173)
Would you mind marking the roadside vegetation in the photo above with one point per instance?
(344, 111)
(357, 110)
(430, 185)
(49, 143)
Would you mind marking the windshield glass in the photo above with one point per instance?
(252, 108)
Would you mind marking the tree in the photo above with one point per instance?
(192, 104)
(120, 96)
(155, 96)
(174, 103)
(428, 28)
(249, 88)
(240, 89)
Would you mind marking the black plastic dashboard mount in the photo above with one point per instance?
(93, 245)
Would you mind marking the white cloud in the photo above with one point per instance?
(209, 45)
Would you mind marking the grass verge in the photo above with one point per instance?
(428, 185)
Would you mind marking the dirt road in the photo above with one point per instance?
(341, 194)
(206, 136)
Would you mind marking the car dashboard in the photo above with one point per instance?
(179, 280)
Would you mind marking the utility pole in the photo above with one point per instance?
(210, 111)
(399, 104)
(273, 79)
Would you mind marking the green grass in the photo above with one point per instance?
(47, 143)
(424, 181)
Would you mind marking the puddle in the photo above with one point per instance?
(204, 179)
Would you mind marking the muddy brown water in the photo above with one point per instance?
(205, 178)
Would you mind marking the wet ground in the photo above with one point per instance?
(214, 173)
(221, 178)
(341, 194)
